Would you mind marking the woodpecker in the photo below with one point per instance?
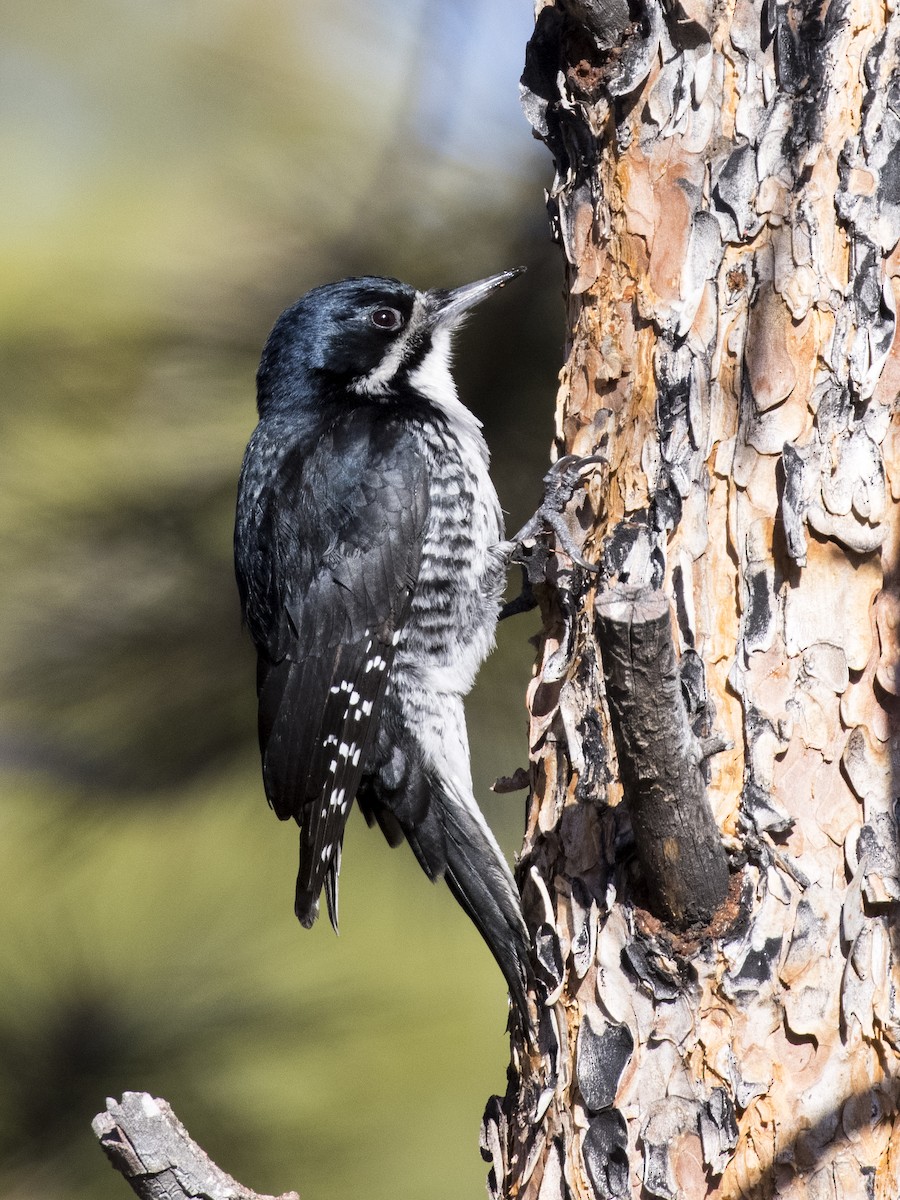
(370, 562)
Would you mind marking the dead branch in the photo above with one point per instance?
(678, 845)
(145, 1142)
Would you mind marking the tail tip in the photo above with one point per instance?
(306, 908)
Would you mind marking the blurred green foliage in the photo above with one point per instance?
(175, 172)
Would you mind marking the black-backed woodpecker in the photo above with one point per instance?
(370, 562)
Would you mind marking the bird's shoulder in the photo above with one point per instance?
(329, 474)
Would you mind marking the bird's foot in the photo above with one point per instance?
(560, 484)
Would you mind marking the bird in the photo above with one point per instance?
(370, 563)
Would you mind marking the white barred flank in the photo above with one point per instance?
(450, 629)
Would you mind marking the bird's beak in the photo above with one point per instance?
(446, 307)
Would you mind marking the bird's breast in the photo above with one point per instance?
(461, 577)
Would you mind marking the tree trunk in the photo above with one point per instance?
(727, 196)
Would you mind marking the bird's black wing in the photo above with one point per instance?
(340, 533)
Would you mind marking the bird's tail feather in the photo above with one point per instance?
(455, 841)
(306, 902)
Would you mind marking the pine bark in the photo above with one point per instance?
(727, 197)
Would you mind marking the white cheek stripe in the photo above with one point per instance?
(378, 380)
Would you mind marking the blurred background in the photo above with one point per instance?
(174, 173)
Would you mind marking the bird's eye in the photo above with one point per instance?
(386, 318)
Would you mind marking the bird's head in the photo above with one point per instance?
(367, 336)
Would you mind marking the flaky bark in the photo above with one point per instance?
(727, 196)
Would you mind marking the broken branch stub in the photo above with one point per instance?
(152, 1150)
(678, 845)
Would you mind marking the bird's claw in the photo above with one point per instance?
(566, 541)
(560, 483)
